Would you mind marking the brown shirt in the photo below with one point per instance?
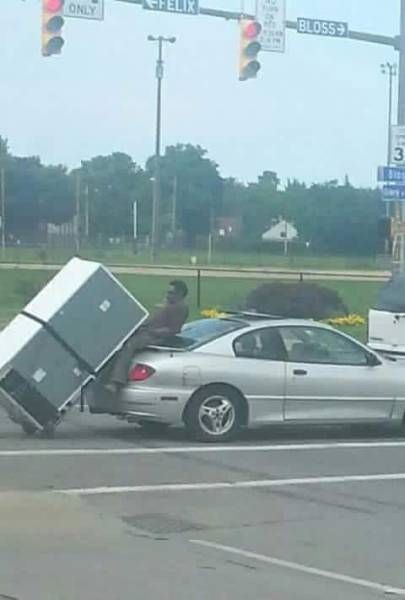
(170, 318)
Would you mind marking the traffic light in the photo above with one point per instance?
(52, 23)
(250, 47)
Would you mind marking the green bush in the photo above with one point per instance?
(296, 300)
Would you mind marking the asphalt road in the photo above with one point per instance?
(103, 512)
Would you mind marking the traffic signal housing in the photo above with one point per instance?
(52, 23)
(250, 46)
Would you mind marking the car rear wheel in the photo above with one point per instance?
(215, 414)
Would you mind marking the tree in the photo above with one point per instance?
(113, 183)
(199, 189)
(23, 177)
(56, 195)
(262, 205)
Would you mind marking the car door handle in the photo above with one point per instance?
(300, 372)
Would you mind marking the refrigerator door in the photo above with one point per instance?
(37, 375)
(89, 310)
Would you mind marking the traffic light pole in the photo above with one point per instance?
(399, 240)
(401, 79)
(397, 42)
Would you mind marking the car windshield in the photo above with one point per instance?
(197, 333)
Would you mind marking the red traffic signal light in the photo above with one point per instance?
(53, 5)
(252, 29)
(250, 47)
(52, 23)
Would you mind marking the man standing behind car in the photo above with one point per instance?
(164, 323)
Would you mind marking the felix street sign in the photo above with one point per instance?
(184, 7)
(84, 9)
(320, 27)
(392, 174)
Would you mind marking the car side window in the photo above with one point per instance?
(262, 344)
(316, 345)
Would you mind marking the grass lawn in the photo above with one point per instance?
(19, 286)
(124, 255)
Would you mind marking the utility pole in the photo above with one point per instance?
(87, 212)
(174, 207)
(391, 69)
(77, 200)
(3, 206)
(3, 151)
(156, 177)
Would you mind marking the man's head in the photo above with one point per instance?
(177, 291)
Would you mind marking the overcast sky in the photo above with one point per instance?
(315, 113)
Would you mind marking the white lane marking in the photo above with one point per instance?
(199, 449)
(386, 589)
(228, 485)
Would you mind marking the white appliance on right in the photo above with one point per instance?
(386, 322)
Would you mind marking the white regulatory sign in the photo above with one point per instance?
(84, 9)
(398, 145)
(271, 14)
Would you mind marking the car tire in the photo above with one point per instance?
(153, 427)
(215, 414)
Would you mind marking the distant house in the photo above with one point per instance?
(282, 231)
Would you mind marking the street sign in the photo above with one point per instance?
(320, 27)
(393, 193)
(183, 7)
(391, 174)
(84, 9)
(398, 145)
(271, 14)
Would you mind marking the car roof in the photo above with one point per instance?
(258, 320)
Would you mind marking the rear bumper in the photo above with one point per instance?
(137, 403)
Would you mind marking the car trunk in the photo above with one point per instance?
(100, 400)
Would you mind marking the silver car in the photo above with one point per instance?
(224, 374)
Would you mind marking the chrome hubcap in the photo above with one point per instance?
(216, 415)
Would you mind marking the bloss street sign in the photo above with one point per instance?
(320, 27)
(271, 16)
(84, 9)
(398, 146)
(184, 7)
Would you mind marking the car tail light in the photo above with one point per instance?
(140, 373)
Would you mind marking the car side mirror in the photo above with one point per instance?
(372, 360)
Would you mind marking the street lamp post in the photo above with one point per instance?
(389, 69)
(156, 178)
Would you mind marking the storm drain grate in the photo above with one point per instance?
(162, 524)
